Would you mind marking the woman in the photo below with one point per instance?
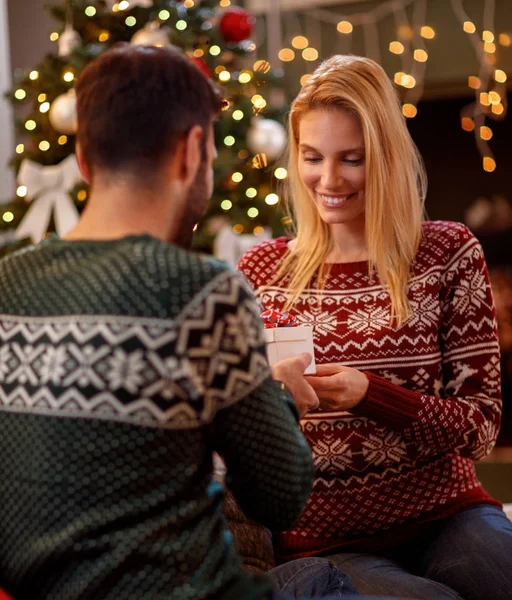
(406, 347)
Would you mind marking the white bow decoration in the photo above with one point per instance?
(229, 246)
(50, 187)
(143, 3)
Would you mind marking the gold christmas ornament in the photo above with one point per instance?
(63, 113)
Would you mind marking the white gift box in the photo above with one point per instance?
(286, 342)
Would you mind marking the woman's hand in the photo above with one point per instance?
(338, 387)
(291, 372)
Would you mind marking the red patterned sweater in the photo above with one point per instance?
(405, 455)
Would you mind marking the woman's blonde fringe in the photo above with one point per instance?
(395, 183)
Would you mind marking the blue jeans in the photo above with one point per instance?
(309, 578)
(465, 557)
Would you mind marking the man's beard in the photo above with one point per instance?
(195, 207)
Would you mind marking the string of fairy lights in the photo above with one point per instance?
(411, 41)
(413, 35)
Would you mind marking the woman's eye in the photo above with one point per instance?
(353, 161)
(312, 159)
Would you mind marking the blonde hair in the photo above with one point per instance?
(395, 180)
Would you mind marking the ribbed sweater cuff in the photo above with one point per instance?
(389, 403)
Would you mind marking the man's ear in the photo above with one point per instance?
(84, 169)
(191, 154)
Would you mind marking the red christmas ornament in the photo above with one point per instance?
(236, 24)
(201, 64)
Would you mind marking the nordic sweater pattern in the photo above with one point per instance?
(405, 455)
(124, 366)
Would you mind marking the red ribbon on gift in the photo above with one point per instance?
(273, 318)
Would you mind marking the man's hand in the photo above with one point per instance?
(291, 372)
(338, 387)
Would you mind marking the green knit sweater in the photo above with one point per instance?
(124, 365)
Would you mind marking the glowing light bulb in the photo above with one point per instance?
(473, 82)
(226, 204)
(427, 32)
(469, 27)
(396, 47)
(90, 11)
(345, 27)
(485, 133)
(500, 76)
(300, 42)
(251, 192)
(22, 191)
(272, 199)
(409, 111)
(286, 54)
(20, 94)
(420, 55)
(489, 164)
(280, 173)
(310, 54)
(467, 124)
(253, 212)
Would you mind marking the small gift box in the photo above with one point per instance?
(285, 338)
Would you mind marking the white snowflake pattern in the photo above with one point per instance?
(470, 294)
(424, 312)
(53, 368)
(126, 370)
(86, 358)
(324, 323)
(384, 450)
(331, 455)
(370, 321)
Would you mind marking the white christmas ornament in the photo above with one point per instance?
(132, 3)
(69, 40)
(50, 187)
(268, 137)
(63, 113)
(151, 35)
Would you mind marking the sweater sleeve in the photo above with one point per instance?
(465, 418)
(255, 428)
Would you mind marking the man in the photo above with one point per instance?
(126, 361)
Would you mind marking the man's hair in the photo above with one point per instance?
(135, 103)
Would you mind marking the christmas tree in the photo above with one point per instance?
(217, 37)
